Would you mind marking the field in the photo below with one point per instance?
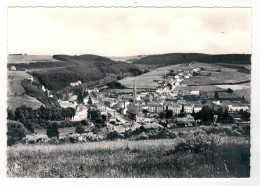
(226, 75)
(190, 154)
(15, 91)
(30, 58)
(147, 80)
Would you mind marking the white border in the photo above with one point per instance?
(255, 160)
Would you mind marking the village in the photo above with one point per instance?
(172, 104)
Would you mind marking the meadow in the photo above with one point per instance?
(147, 80)
(191, 154)
(15, 91)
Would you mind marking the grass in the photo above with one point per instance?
(147, 80)
(15, 91)
(191, 156)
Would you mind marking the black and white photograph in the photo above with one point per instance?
(123, 92)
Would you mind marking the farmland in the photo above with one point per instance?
(225, 75)
(226, 156)
(147, 80)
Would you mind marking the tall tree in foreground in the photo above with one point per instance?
(52, 130)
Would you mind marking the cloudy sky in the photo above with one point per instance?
(128, 31)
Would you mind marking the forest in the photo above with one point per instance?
(85, 68)
(177, 58)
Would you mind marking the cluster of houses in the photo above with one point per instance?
(146, 106)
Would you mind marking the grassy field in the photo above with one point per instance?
(147, 80)
(195, 155)
(15, 91)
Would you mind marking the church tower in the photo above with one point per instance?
(134, 93)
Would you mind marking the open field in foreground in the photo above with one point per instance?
(191, 154)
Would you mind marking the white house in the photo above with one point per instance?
(30, 78)
(194, 92)
(237, 108)
(13, 68)
(217, 102)
(75, 83)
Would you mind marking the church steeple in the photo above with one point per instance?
(134, 93)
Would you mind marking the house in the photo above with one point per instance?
(217, 102)
(184, 92)
(188, 108)
(195, 92)
(197, 108)
(186, 119)
(30, 79)
(13, 68)
(176, 109)
(75, 83)
(237, 107)
(181, 101)
(152, 106)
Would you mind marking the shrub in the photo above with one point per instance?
(113, 135)
(52, 130)
(15, 132)
(79, 129)
(84, 122)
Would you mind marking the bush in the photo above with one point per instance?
(15, 132)
(113, 135)
(52, 130)
(79, 129)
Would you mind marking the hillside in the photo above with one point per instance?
(176, 58)
(84, 68)
(169, 59)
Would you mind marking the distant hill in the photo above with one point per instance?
(176, 58)
(84, 68)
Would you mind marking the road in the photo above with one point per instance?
(111, 111)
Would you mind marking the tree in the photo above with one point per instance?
(145, 111)
(90, 101)
(169, 114)
(206, 114)
(80, 98)
(229, 90)
(216, 96)
(52, 130)
(79, 129)
(10, 114)
(245, 115)
(15, 132)
(182, 111)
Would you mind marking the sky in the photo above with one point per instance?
(128, 31)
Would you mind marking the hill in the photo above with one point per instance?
(84, 68)
(176, 58)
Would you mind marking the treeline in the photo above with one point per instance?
(116, 85)
(227, 58)
(206, 115)
(29, 116)
(169, 59)
(238, 67)
(89, 68)
(33, 65)
(177, 58)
